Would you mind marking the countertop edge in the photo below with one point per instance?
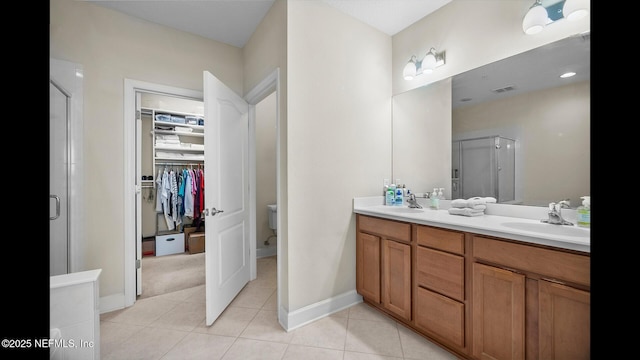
(541, 240)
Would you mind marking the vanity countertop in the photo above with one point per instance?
(527, 228)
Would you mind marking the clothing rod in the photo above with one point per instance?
(180, 164)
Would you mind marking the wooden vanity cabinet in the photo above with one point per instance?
(529, 302)
(439, 284)
(383, 264)
(478, 296)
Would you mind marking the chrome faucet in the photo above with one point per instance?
(555, 213)
(413, 203)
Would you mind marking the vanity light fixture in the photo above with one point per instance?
(545, 12)
(428, 63)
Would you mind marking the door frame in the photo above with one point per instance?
(131, 87)
(267, 86)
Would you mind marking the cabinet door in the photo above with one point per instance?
(396, 268)
(368, 266)
(565, 323)
(498, 313)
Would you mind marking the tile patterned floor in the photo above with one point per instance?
(172, 326)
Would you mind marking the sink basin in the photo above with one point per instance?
(563, 230)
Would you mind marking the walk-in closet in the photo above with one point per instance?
(171, 166)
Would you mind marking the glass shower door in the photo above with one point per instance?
(58, 180)
(478, 168)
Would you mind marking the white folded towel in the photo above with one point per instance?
(481, 200)
(475, 204)
(465, 211)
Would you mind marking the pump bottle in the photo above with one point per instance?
(435, 200)
(584, 212)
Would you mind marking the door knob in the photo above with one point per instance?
(214, 211)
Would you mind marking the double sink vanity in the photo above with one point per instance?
(498, 286)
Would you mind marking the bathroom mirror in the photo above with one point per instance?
(522, 98)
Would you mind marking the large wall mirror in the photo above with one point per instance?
(520, 132)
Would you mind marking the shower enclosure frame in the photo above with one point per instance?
(490, 159)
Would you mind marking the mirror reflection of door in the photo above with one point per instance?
(59, 100)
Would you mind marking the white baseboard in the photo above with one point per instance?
(297, 318)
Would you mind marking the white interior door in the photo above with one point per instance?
(226, 195)
(59, 100)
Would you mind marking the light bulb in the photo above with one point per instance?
(535, 20)
(409, 71)
(429, 62)
(575, 9)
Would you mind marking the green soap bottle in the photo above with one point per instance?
(584, 212)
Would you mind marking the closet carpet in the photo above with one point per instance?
(169, 273)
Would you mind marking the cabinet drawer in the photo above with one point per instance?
(555, 264)
(385, 228)
(441, 272)
(446, 240)
(169, 244)
(440, 316)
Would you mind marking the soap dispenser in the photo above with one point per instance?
(399, 196)
(584, 212)
(391, 195)
(435, 200)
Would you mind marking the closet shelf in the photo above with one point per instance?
(167, 123)
(183, 158)
(179, 149)
(180, 133)
(174, 112)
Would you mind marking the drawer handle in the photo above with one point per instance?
(171, 239)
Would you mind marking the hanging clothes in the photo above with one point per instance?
(166, 199)
(188, 194)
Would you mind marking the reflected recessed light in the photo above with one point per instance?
(79, 73)
(567, 74)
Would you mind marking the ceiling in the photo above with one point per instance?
(234, 21)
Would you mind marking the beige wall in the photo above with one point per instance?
(111, 47)
(552, 132)
(339, 142)
(265, 52)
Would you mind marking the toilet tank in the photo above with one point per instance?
(273, 216)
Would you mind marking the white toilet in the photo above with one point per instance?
(273, 216)
(273, 222)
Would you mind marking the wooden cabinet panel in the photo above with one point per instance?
(395, 230)
(440, 316)
(553, 263)
(396, 268)
(441, 272)
(445, 240)
(564, 321)
(498, 313)
(368, 266)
